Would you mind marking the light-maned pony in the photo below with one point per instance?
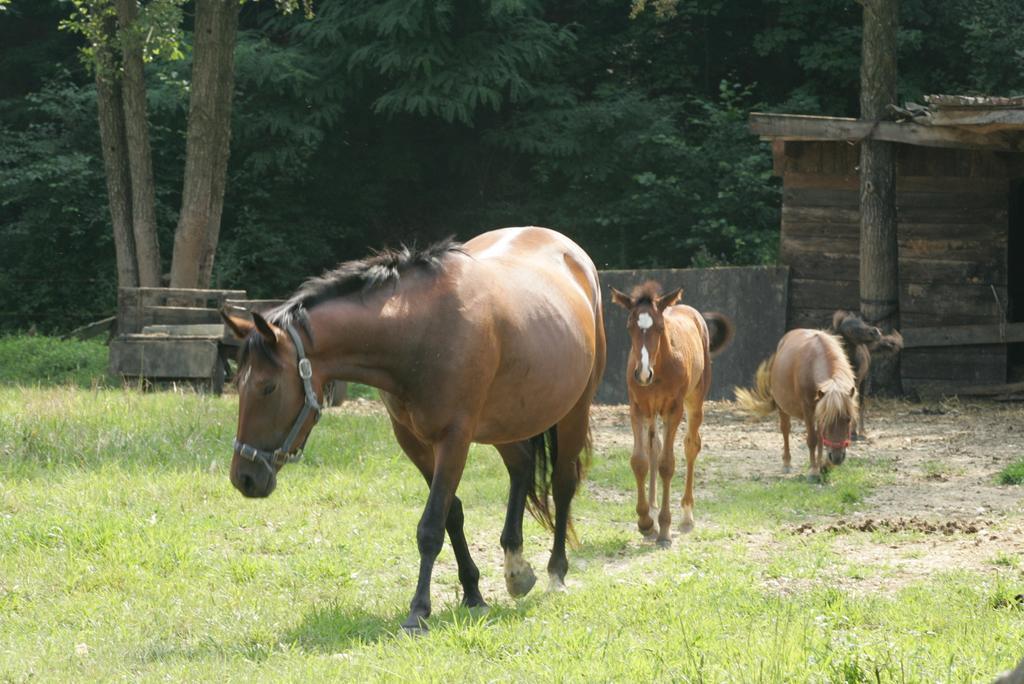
(499, 341)
(668, 371)
(808, 378)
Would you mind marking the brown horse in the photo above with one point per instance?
(498, 341)
(808, 378)
(860, 340)
(668, 370)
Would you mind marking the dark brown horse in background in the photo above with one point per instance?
(808, 378)
(498, 341)
(859, 341)
(668, 371)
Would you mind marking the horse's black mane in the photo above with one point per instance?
(350, 277)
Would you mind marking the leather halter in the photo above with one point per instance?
(835, 445)
(284, 453)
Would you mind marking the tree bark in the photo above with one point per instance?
(110, 113)
(208, 143)
(879, 249)
(133, 91)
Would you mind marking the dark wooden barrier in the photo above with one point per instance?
(168, 334)
(754, 297)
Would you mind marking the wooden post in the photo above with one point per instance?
(879, 250)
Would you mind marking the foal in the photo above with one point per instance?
(669, 370)
(808, 378)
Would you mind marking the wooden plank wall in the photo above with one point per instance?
(753, 296)
(952, 210)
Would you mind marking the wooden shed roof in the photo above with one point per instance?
(964, 121)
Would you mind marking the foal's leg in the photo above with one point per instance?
(784, 425)
(641, 464)
(653, 455)
(667, 468)
(692, 444)
(450, 460)
(519, 460)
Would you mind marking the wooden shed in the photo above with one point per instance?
(960, 225)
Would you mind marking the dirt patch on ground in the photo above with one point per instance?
(941, 459)
(938, 508)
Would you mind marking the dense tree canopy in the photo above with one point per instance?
(381, 121)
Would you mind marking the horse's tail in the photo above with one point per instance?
(721, 330)
(544, 448)
(758, 400)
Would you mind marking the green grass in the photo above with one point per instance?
(1012, 474)
(125, 555)
(38, 360)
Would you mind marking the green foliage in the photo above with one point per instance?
(34, 361)
(378, 122)
(1012, 474)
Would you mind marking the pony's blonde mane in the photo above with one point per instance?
(837, 400)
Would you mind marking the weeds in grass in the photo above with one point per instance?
(1013, 474)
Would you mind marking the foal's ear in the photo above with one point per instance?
(667, 300)
(238, 326)
(265, 328)
(622, 299)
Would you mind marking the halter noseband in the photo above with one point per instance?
(835, 445)
(284, 453)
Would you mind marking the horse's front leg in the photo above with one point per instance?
(422, 454)
(667, 469)
(812, 445)
(640, 462)
(450, 460)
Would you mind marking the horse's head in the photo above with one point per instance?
(646, 323)
(277, 403)
(835, 412)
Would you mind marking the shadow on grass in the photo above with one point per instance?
(334, 629)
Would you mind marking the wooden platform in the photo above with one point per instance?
(168, 335)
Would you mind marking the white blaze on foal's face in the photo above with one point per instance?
(644, 321)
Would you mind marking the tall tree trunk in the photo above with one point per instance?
(879, 249)
(208, 144)
(133, 91)
(115, 157)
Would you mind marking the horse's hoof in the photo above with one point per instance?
(474, 603)
(664, 543)
(417, 630)
(520, 582)
(686, 526)
(556, 585)
(786, 469)
(648, 532)
(814, 478)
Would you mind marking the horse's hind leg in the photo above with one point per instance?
(519, 460)
(784, 426)
(640, 462)
(422, 454)
(573, 432)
